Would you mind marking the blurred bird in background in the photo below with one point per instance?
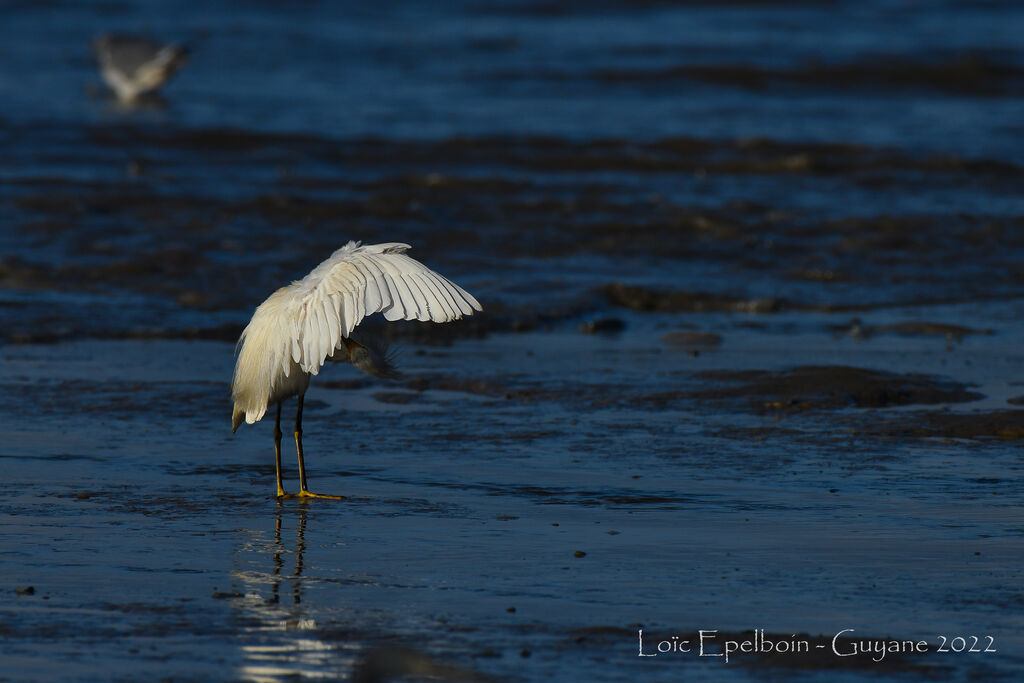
(134, 66)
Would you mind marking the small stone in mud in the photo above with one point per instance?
(27, 590)
(399, 397)
(579, 553)
(191, 298)
(692, 340)
(818, 275)
(603, 326)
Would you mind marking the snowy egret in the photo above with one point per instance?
(300, 326)
(132, 66)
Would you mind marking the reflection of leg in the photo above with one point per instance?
(277, 450)
(278, 562)
(304, 491)
(300, 545)
(300, 548)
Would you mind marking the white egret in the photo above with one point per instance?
(300, 326)
(133, 66)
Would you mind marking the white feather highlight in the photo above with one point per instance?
(292, 333)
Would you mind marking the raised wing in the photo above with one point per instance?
(357, 281)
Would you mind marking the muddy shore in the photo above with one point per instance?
(749, 362)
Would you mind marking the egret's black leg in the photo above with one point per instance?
(298, 444)
(277, 450)
(304, 491)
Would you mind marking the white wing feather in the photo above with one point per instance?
(443, 308)
(303, 323)
(378, 296)
(358, 281)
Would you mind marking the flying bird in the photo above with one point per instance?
(300, 326)
(133, 66)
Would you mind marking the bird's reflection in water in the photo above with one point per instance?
(280, 551)
(281, 638)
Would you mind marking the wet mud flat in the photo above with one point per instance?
(675, 415)
(164, 228)
(520, 506)
(749, 369)
(672, 417)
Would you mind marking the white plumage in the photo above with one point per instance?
(298, 327)
(133, 66)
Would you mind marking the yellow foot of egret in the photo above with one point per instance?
(308, 494)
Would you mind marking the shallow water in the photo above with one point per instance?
(155, 547)
(749, 358)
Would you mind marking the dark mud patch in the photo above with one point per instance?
(758, 434)
(603, 326)
(576, 395)
(690, 340)
(116, 400)
(396, 397)
(639, 298)
(857, 328)
(523, 436)
(249, 471)
(1006, 424)
(59, 457)
(611, 498)
(226, 332)
(970, 74)
(177, 504)
(196, 246)
(140, 607)
(539, 154)
(493, 388)
(828, 388)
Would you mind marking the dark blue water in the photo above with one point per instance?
(946, 77)
(796, 228)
